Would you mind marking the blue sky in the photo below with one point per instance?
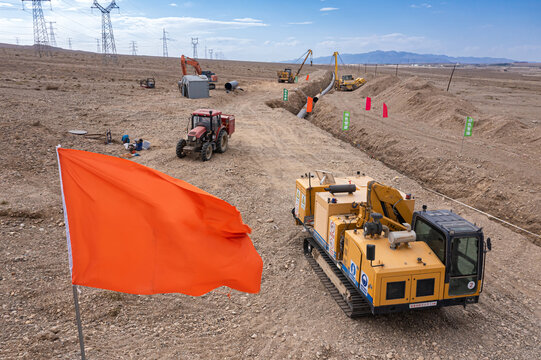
(279, 30)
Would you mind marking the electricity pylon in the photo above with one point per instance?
(51, 30)
(165, 38)
(195, 41)
(107, 38)
(41, 38)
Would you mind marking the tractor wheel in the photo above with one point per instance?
(206, 151)
(180, 148)
(223, 141)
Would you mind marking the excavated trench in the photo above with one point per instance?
(319, 81)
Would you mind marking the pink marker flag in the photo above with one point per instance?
(368, 103)
(385, 113)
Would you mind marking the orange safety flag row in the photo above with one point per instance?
(136, 230)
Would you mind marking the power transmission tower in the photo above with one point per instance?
(69, 43)
(53, 39)
(107, 38)
(210, 53)
(165, 38)
(98, 50)
(195, 41)
(41, 38)
(206, 52)
(134, 48)
(17, 40)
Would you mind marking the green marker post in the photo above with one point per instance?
(345, 121)
(468, 130)
(285, 95)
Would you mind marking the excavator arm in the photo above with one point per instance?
(390, 203)
(308, 53)
(187, 60)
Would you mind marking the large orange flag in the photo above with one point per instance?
(136, 230)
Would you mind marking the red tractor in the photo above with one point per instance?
(208, 131)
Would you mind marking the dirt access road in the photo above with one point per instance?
(292, 317)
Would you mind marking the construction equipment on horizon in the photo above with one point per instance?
(287, 76)
(212, 78)
(424, 259)
(207, 131)
(347, 82)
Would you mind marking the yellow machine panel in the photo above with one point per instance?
(410, 273)
(305, 195)
(328, 204)
(338, 224)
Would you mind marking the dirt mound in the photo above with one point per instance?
(297, 96)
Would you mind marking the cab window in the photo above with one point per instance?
(464, 255)
(215, 122)
(432, 237)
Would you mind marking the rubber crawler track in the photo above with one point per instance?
(358, 306)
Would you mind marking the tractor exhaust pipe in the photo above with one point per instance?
(232, 85)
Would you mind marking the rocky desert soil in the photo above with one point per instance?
(293, 316)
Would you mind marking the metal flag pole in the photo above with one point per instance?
(79, 326)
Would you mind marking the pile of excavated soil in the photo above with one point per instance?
(422, 138)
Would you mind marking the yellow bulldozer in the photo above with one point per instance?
(376, 255)
(347, 82)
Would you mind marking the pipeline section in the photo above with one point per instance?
(302, 113)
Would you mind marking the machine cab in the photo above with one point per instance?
(347, 77)
(458, 244)
(209, 119)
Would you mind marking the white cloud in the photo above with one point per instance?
(250, 20)
(301, 23)
(3, 4)
(328, 9)
(173, 4)
(424, 5)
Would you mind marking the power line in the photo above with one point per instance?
(41, 38)
(107, 38)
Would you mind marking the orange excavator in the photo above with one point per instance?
(212, 77)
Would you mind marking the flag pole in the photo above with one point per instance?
(78, 316)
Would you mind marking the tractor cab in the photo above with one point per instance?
(460, 247)
(347, 77)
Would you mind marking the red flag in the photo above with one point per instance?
(307, 76)
(309, 104)
(136, 230)
(385, 114)
(368, 103)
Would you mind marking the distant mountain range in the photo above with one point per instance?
(401, 57)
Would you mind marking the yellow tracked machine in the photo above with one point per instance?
(376, 255)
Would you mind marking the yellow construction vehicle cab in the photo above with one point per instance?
(347, 82)
(387, 261)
